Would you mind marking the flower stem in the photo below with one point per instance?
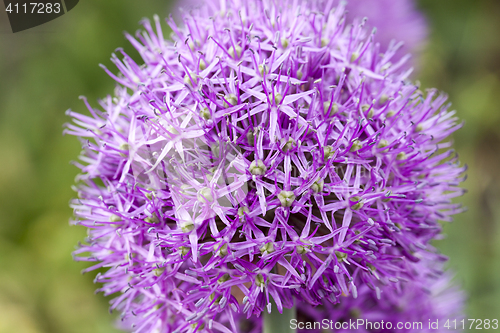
(276, 322)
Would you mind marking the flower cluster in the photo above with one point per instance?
(271, 151)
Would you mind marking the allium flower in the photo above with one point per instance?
(267, 152)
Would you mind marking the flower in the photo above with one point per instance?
(432, 303)
(396, 21)
(268, 152)
(426, 304)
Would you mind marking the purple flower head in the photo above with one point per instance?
(269, 152)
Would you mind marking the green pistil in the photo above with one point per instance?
(357, 206)
(125, 147)
(203, 65)
(151, 194)
(242, 211)
(187, 226)
(341, 256)
(257, 168)
(259, 280)
(184, 250)
(326, 281)
(289, 144)
(171, 129)
(222, 252)
(185, 188)
(267, 248)
(302, 249)
(204, 195)
(310, 130)
(158, 271)
(358, 203)
(193, 44)
(333, 110)
(356, 145)
(152, 219)
(317, 186)
(384, 98)
(224, 278)
(212, 297)
(250, 138)
(357, 241)
(262, 69)
(238, 51)
(328, 152)
(383, 143)
(232, 99)
(286, 198)
(277, 98)
(285, 42)
(205, 113)
(401, 156)
(202, 326)
(115, 218)
(129, 256)
(189, 79)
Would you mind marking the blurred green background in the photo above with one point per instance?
(43, 71)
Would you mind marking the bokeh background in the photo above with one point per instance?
(43, 71)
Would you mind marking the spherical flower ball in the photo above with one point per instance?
(269, 151)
